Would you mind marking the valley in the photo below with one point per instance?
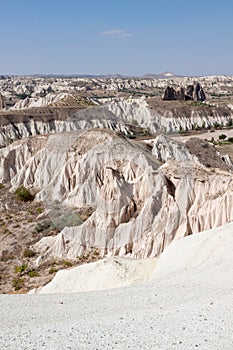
(112, 168)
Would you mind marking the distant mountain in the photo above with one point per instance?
(163, 75)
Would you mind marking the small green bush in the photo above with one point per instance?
(1, 186)
(28, 253)
(52, 270)
(131, 136)
(33, 273)
(21, 268)
(67, 220)
(39, 210)
(67, 263)
(216, 125)
(222, 137)
(22, 96)
(23, 194)
(17, 283)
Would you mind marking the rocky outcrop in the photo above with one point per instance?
(207, 154)
(195, 92)
(38, 102)
(192, 92)
(166, 149)
(2, 102)
(194, 150)
(196, 254)
(56, 120)
(184, 117)
(169, 94)
(183, 202)
(139, 205)
(14, 157)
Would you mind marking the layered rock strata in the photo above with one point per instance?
(170, 120)
(140, 206)
(33, 122)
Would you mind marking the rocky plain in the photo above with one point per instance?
(117, 195)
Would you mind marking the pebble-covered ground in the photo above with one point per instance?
(176, 313)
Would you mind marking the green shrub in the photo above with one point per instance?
(131, 136)
(22, 96)
(23, 194)
(230, 139)
(44, 226)
(17, 283)
(222, 137)
(1, 186)
(67, 220)
(21, 268)
(28, 253)
(216, 125)
(39, 210)
(67, 263)
(33, 273)
(52, 270)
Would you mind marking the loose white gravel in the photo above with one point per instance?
(188, 308)
(175, 315)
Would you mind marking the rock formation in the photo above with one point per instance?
(14, 125)
(192, 92)
(188, 256)
(158, 119)
(166, 149)
(169, 94)
(139, 205)
(2, 102)
(194, 150)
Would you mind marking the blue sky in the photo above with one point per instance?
(124, 36)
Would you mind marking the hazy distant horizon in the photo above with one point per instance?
(129, 37)
(107, 75)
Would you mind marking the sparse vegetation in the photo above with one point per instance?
(17, 283)
(67, 263)
(216, 125)
(21, 268)
(44, 226)
(197, 104)
(28, 253)
(23, 194)
(134, 122)
(91, 255)
(33, 273)
(52, 270)
(67, 220)
(229, 124)
(131, 136)
(22, 96)
(39, 210)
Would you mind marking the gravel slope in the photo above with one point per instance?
(187, 307)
